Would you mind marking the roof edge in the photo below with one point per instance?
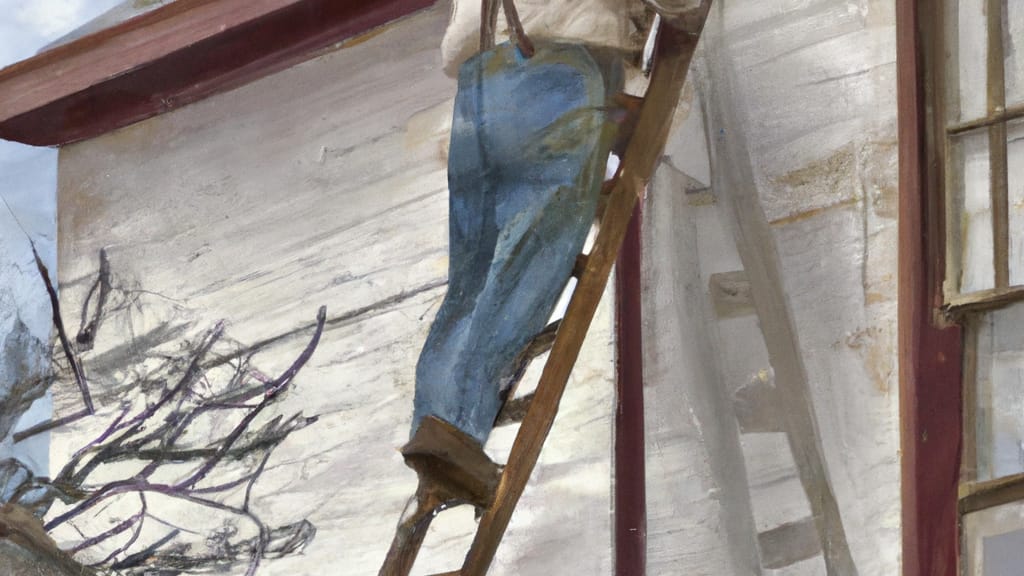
(175, 55)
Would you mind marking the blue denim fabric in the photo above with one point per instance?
(529, 144)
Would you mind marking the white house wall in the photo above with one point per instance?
(323, 184)
(799, 103)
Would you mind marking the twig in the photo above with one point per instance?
(69, 354)
(135, 535)
(50, 425)
(137, 558)
(87, 333)
(15, 216)
(153, 434)
(252, 480)
(119, 528)
(111, 428)
(58, 323)
(272, 390)
(133, 426)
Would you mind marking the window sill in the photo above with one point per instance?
(975, 496)
(983, 300)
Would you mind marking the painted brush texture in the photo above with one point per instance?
(324, 183)
(530, 139)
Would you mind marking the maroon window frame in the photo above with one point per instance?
(930, 350)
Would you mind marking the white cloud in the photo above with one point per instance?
(25, 27)
(51, 18)
(31, 24)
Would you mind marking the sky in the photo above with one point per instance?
(28, 184)
(28, 175)
(28, 25)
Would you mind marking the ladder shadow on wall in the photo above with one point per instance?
(721, 432)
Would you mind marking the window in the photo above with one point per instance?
(979, 97)
(983, 112)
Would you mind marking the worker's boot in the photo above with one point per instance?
(452, 470)
(452, 462)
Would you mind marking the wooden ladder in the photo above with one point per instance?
(497, 491)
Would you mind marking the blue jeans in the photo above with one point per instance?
(529, 145)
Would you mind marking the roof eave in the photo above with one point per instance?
(175, 55)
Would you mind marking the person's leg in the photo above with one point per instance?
(472, 239)
(529, 143)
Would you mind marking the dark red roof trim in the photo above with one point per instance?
(190, 49)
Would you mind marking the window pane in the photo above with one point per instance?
(1013, 48)
(994, 541)
(972, 210)
(1015, 166)
(999, 383)
(968, 53)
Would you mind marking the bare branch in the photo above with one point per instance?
(87, 333)
(174, 395)
(58, 323)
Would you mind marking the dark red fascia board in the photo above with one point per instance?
(175, 55)
(930, 352)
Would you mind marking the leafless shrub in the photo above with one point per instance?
(189, 435)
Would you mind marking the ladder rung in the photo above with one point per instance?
(789, 544)
(579, 266)
(543, 341)
(730, 293)
(757, 407)
(540, 344)
(514, 411)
